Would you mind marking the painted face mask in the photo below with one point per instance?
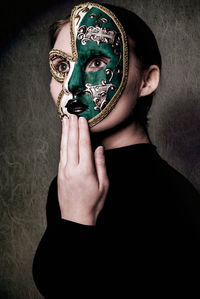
(94, 77)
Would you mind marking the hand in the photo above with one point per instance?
(82, 178)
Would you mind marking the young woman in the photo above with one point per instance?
(116, 210)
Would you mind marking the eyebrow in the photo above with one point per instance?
(57, 52)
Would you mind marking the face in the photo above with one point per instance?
(94, 73)
(88, 80)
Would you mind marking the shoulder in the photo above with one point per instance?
(173, 180)
(177, 192)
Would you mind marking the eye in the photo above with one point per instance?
(61, 65)
(97, 64)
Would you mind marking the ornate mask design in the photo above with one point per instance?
(94, 77)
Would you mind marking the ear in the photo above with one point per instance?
(150, 81)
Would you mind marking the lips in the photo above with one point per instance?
(75, 106)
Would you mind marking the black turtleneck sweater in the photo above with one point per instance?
(149, 227)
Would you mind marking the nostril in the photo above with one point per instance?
(76, 93)
(66, 91)
(77, 89)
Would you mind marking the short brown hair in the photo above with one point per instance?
(55, 29)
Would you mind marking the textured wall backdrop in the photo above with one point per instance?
(30, 128)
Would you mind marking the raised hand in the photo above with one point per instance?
(82, 178)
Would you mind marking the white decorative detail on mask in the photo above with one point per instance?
(99, 93)
(98, 17)
(97, 34)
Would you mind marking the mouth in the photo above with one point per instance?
(75, 106)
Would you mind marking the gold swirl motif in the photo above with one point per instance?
(77, 16)
(53, 54)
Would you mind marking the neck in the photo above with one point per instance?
(131, 134)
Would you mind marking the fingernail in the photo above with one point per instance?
(64, 120)
(82, 119)
(100, 150)
(73, 117)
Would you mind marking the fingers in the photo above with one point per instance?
(64, 139)
(73, 144)
(101, 167)
(85, 149)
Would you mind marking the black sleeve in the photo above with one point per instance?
(64, 252)
(52, 207)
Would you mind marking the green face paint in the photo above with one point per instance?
(95, 76)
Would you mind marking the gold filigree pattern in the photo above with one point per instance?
(80, 9)
(54, 54)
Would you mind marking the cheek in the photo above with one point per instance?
(131, 90)
(126, 103)
(55, 89)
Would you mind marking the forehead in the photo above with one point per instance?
(63, 41)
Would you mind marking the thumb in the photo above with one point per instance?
(100, 166)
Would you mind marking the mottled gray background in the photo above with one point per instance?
(30, 127)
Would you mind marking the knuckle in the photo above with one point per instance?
(83, 142)
(100, 160)
(107, 182)
(60, 166)
(104, 186)
(61, 153)
(69, 173)
(61, 176)
(65, 172)
(85, 171)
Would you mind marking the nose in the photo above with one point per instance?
(77, 81)
(75, 90)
